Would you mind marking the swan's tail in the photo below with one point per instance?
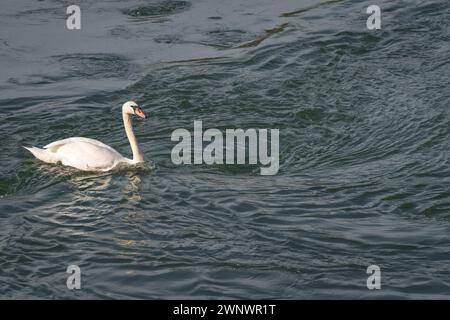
(43, 154)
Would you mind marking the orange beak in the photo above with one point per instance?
(139, 113)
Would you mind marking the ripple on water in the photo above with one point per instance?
(158, 9)
(96, 66)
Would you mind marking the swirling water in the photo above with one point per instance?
(364, 149)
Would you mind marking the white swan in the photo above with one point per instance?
(92, 155)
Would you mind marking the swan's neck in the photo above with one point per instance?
(137, 155)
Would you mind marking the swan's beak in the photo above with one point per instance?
(139, 113)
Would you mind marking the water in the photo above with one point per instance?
(364, 149)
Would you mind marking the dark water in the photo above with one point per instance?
(364, 149)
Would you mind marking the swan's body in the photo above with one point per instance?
(81, 153)
(90, 154)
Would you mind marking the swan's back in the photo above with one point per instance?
(56, 144)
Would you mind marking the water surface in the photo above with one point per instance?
(364, 149)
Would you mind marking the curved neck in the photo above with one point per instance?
(137, 156)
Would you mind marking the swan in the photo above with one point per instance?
(90, 154)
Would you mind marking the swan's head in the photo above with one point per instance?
(132, 108)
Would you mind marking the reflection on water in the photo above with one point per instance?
(133, 187)
(89, 188)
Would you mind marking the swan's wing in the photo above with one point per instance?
(54, 146)
(85, 154)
